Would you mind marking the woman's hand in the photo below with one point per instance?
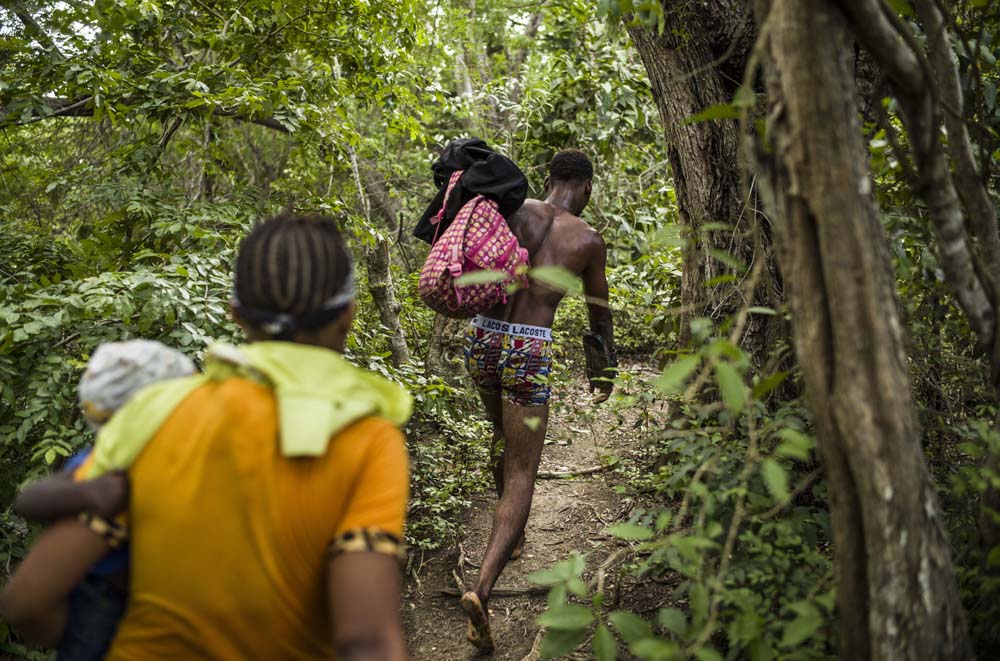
(107, 496)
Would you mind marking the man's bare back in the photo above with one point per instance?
(553, 237)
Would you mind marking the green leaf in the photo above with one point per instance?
(760, 650)
(605, 648)
(663, 520)
(673, 377)
(745, 627)
(672, 619)
(768, 383)
(629, 531)
(902, 7)
(577, 563)
(721, 280)
(630, 626)
(707, 654)
(731, 385)
(993, 559)
(699, 604)
(557, 278)
(713, 112)
(758, 309)
(654, 649)
(803, 626)
(560, 573)
(577, 586)
(560, 642)
(744, 97)
(480, 278)
(796, 444)
(570, 616)
(827, 600)
(728, 260)
(725, 349)
(556, 596)
(532, 422)
(775, 479)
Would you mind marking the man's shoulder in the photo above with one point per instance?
(579, 231)
(534, 210)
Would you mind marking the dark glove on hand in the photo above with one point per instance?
(601, 364)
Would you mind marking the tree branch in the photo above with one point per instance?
(32, 27)
(267, 122)
(974, 196)
(885, 43)
(79, 108)
(910, 78)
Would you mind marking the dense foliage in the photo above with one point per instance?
(141, 140)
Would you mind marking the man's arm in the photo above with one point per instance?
(364, 607)
(34, 600)
(595, 287)
(59, 496)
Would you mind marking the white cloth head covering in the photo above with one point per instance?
(118, 370)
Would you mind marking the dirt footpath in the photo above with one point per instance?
(567, 514)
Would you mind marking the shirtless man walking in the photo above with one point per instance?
(508, 352)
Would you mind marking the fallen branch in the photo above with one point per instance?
(554, 475)
(533, 591)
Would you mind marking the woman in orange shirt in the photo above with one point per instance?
(267, 496)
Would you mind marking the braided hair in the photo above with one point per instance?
(571, 165)
(293, 272)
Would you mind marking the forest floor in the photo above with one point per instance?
(568, 514)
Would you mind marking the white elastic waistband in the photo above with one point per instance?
(513, 328)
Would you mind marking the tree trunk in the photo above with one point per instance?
(896, 592)
(384, 296)
(698, 62)
(377, 262)
(445, 349)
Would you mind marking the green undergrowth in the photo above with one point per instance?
(727, 506)
(728, 515)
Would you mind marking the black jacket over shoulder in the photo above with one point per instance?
(486, 173)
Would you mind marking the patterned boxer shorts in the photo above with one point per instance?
(510, 359)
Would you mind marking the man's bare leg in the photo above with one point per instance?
(494, 411)
(493, 405)
(522, 454)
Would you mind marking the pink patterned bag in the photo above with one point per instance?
(479, 239)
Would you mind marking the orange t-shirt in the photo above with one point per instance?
(229, 539)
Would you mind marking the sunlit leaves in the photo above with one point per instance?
(556, 278)
(560, 642)
(794, 444)
(713, 112)
(630, 626)
(775, 478)
(807, 620)
(630, 531)
(481, 277)
(605, 647)
(560, 573)
(571, 616)
(673, 620)
(674, 376)
(731, 385)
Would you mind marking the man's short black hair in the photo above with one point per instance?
(571, 165)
